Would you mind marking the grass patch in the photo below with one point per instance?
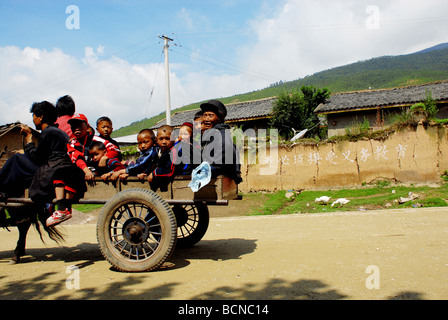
(271, 203)
(86, 208)
(368, 198)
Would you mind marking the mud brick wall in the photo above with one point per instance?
(413, 155)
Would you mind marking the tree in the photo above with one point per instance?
(295, 109)
(428, 108)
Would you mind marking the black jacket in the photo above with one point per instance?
(221, 153)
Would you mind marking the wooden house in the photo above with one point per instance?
(377, 106)
(250, 114)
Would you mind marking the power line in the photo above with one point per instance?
(231, 67)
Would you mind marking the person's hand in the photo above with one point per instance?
(142, 176)
(150, 177)
(123, 176)
(26, 131)
(107, 176)
(103, 161)
(89, 176)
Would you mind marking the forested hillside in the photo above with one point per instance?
(378, 73)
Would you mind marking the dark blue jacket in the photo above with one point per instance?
(144, 163)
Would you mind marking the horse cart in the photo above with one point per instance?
(138, 229)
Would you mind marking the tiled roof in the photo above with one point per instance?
(235, 112)
(8, 127)
(382, 98)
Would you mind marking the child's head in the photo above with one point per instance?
(97, 150)
(186, 132)
(164, 139)
(79, 125)
(145, 139)
(43, 112)
(104, 127)
(197, 120)
(65, 106)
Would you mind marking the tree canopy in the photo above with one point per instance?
(295, 110)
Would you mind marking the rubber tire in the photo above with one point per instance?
(168, 227)
(193, 236)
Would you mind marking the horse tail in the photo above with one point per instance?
(53, 233)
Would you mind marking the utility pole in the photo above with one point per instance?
(167, 79)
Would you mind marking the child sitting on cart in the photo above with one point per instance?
(105, 129)
(164, 172)
(186, 150)
(78, 146)
(145, 163)
(155, 165)
(97, 154)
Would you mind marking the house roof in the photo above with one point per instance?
(372, 99)
(5, 128)
(235, 112)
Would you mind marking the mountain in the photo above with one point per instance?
(437, 47)
(384, 72)
(378, 73)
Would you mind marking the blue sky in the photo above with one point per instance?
(125, 27)
(112, 63)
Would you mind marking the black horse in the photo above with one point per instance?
(23, 216)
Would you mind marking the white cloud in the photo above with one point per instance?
(304, 37)
(99, 87)
(293, 38)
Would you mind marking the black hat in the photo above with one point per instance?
(215, 106)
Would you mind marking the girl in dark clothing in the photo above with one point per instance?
(56, 176)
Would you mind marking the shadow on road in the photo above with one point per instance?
(81, 256)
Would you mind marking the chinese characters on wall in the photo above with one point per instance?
(380, 153)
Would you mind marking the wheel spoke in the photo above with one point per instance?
(135, 238)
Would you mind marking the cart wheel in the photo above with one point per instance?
(136, 230)
(192, 223)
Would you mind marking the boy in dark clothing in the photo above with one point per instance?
(163, 174)
(57, 177)
(147, 160)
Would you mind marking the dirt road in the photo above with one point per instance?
(394, 254)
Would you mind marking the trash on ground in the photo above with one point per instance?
(289, 195)
(411, 196)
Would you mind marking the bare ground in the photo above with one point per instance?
(250, 258)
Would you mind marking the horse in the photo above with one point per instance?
(23, 216)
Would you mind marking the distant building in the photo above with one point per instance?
(127, 140)
(11, 140)
(251, 114)
(344, 109)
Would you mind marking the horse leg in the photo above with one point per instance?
(19, 251)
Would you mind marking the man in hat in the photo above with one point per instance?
(214, 112)
(218, 148)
